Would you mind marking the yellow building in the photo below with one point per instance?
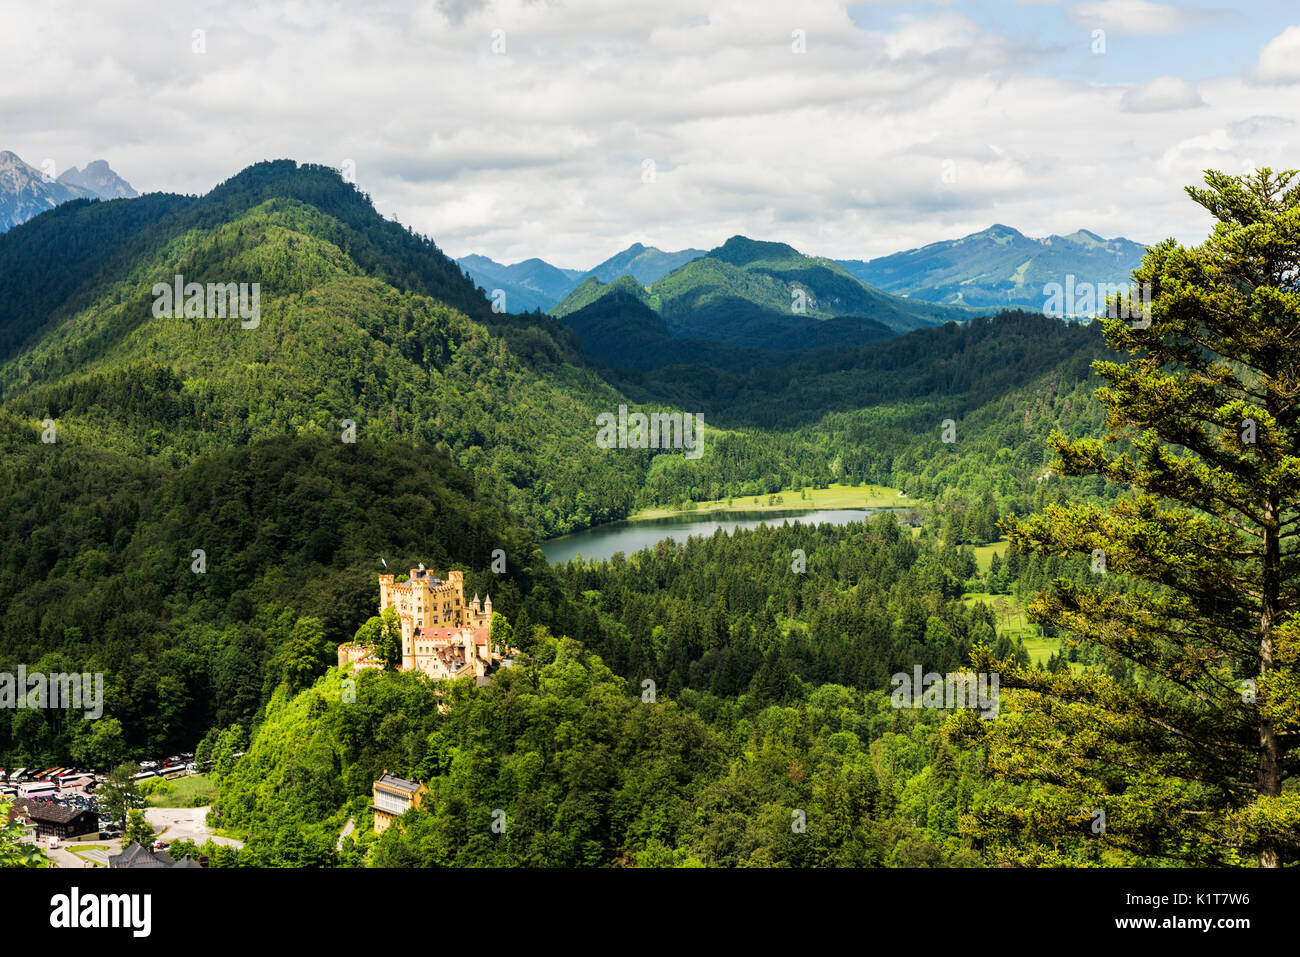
(442, 635)
(393, 797)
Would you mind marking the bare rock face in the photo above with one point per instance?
(99, 178)
(26, 191)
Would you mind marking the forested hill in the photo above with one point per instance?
(182, 511)
(875, 414)
(197, 590)
(363, 321)
(79, 247)
(747, 293)
(968, 364)
(359, 320)
(620, 329)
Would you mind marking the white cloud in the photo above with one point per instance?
(1161, 94)
(1135, 16)
(1279, 61)
(926, 126)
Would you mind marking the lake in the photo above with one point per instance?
(604, 540)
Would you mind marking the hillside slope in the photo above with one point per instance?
(360, 321)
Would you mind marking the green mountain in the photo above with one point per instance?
(751, 295)
(536, 284)
(592, 289)
(874, 415)
(360, 320)
(1000, 267)
(645, 264)
(134, 445)
(619, 328)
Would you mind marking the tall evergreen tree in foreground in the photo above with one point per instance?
(1183, 748)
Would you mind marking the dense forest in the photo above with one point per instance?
(187, 514)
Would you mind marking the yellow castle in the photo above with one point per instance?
(442, 635)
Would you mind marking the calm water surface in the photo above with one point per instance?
(603, 541)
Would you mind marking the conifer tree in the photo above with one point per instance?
(1186, 736)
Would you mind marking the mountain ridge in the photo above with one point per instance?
(26, 192)
(536, 284)
(999, 267)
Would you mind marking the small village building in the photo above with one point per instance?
(138, 857)
(20, 815)
(55, 820)
(393, 797)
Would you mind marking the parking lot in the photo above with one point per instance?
(53, 787)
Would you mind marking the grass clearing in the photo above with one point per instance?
(984, 554)
(1011, 621)
(195, 791)
(835, 496)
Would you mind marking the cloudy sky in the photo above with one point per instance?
(568, 129)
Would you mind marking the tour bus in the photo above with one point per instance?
(171, 774)
(38, 789)
(143, 776)
(17, 776)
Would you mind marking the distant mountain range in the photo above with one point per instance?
(26, 192)
(528, 285)
(999, 267)
(536, 284)
(743, 296)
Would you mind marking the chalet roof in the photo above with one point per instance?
(45, 813)
(137, 856)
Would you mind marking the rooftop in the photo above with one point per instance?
(44, 813)
(137, 856)
(398, 784)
